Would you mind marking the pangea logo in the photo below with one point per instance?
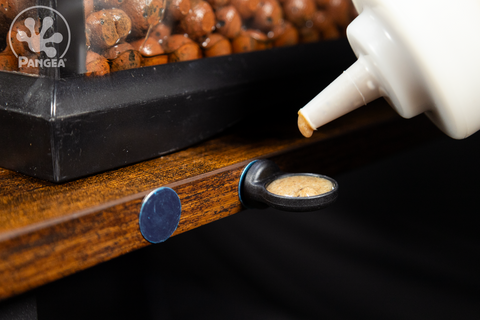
(23, 37)
(37, 42)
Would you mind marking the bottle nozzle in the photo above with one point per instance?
(356, 87)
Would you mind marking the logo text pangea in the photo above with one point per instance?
(42, 63)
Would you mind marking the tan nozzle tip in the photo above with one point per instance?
(304, 126)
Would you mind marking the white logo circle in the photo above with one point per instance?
(40, 46)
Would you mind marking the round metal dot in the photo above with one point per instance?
(160, 215)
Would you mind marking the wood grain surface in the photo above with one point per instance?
(49, 231)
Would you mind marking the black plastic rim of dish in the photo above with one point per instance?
(260, 173)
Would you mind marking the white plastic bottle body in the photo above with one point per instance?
(422, 56)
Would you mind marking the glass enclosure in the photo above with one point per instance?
(97, 37)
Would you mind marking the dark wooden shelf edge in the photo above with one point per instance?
(55, 249)
(44, 254)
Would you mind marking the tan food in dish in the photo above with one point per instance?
(300, 186)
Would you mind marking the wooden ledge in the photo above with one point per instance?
(49, 231)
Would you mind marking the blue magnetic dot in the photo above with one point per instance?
(160, 215)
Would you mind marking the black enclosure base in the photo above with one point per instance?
(67, 128)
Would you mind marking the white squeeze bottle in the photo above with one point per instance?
(420, 55)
